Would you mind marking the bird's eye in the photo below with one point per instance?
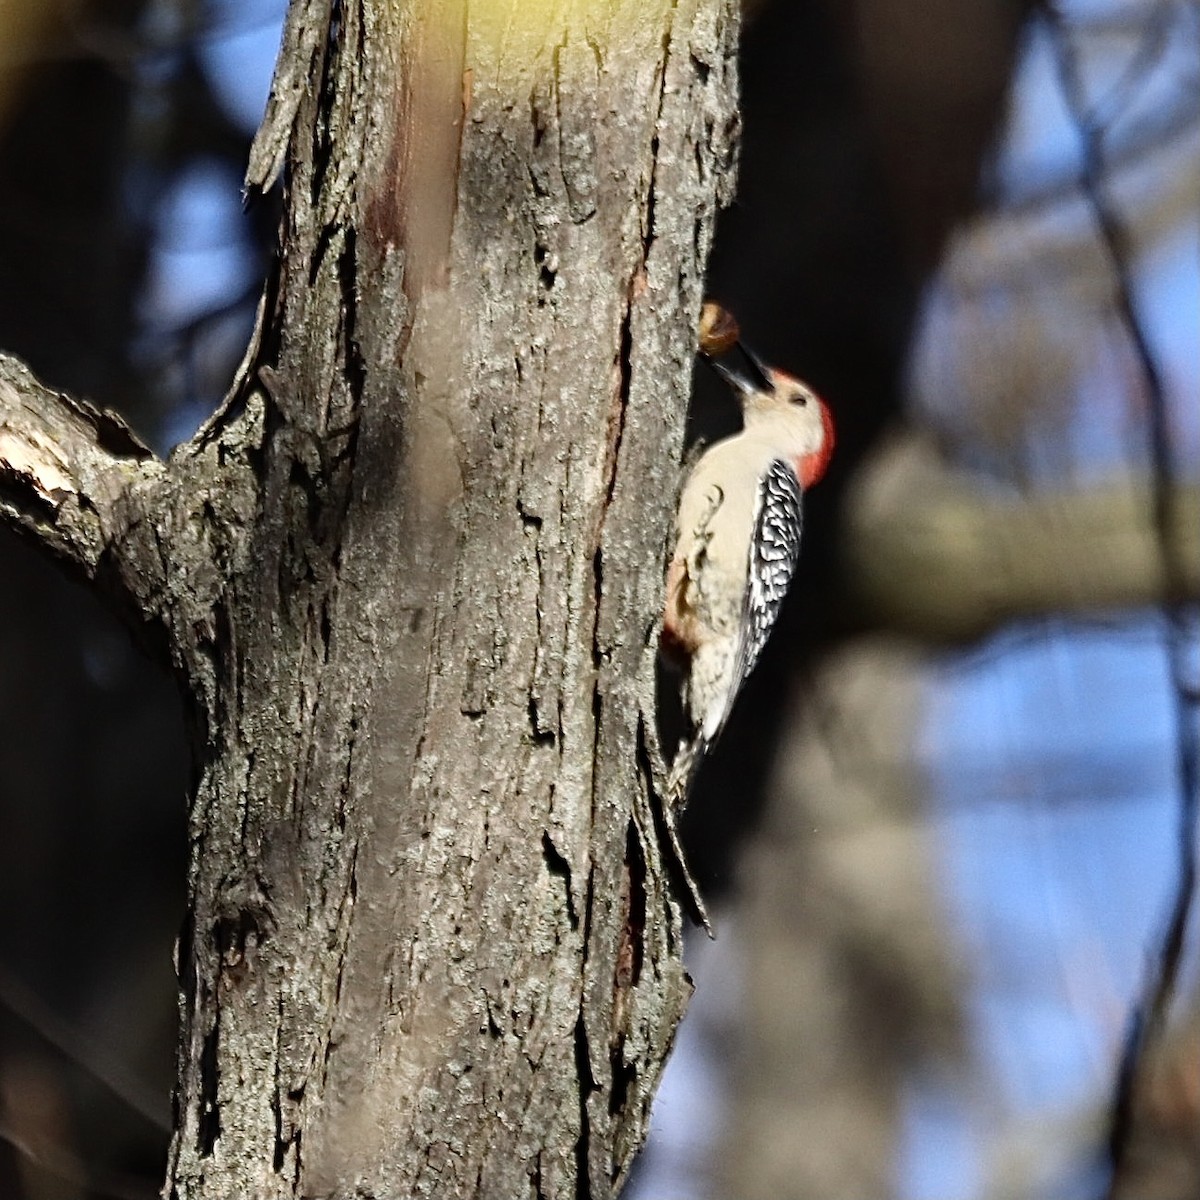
(801, 399)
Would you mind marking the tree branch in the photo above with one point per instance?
(73, 478)
(159, 540)
(932, 554)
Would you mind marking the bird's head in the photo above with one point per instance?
(790, 410)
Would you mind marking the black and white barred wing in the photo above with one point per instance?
(774, 553)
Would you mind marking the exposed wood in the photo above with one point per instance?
(71, 476)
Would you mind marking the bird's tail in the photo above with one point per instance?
(683, 772)
(679, 784)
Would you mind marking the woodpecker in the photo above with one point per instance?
(737, 542)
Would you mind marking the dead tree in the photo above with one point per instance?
(408, 576)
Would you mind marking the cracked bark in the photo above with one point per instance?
(409, 575)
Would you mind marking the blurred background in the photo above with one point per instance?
(949, 836)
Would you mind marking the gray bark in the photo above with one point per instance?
(409, 574)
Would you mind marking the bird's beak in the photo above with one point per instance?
(749, 375)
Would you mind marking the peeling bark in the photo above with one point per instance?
(409, 574)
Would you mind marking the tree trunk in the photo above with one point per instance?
(409, 574)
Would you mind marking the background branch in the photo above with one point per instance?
(931, 552)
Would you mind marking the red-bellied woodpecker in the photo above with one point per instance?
(737, 543)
